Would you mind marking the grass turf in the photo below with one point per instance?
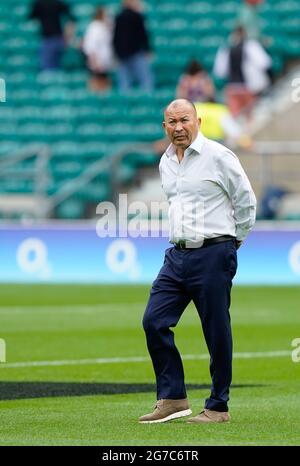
(98, 404)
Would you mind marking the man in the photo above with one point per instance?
(211, 210)
(131, 46)
(50, 14)
(217, 124)
(244, 63)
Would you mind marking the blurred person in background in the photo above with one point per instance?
(218, 124)
(50, 14)
(195, 84)
(97, 47)
(244, 63)
(132, 48)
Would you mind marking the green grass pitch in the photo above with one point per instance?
(71, 399)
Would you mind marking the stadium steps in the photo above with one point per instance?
(276, 116)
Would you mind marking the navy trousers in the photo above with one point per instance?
(204, 276)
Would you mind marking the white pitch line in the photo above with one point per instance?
(190, 357)
(72, 308)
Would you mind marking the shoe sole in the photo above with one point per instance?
(177, 415)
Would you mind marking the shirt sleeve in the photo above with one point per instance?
(160, 170)
(235, 183)
(258, 55)
(221, 64)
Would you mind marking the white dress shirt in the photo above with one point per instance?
(209, 193)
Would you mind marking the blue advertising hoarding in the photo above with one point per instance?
(74, 253)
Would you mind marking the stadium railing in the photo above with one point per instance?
(30, 166)
(111, 165)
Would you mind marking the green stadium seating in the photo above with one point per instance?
(82, 127)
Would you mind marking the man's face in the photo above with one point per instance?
(181, 124)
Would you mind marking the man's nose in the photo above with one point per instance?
(178, 127)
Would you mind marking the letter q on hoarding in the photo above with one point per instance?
(121, 257)
(32, 255)
(294, 257)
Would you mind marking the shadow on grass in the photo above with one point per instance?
(23, 390)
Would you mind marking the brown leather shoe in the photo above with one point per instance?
(166, 410)
(207, 415)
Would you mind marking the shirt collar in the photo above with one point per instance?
(195, 146)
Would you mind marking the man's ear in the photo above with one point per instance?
(164, 126)
(199, 120)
